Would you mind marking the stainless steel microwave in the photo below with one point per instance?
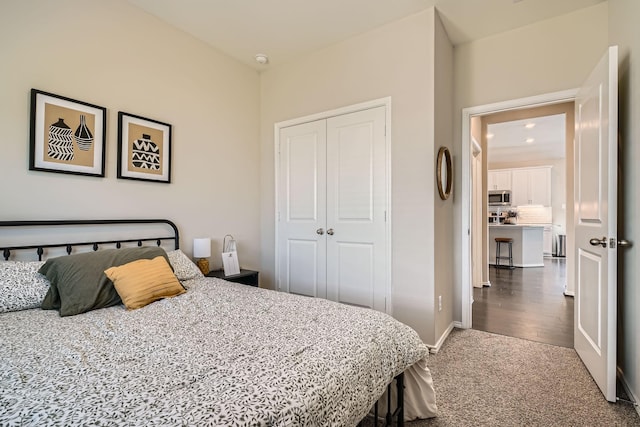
(499, 198)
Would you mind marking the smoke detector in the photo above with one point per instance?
(262, 59)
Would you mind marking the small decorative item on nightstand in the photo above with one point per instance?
(202, 251)
(230, 261)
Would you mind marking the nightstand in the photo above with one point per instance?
(246, 277)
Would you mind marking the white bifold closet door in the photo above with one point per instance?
(332, 201)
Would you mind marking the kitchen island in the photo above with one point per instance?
(527, 244)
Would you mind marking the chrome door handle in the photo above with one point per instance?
(624, 243)
(320, 231)
(595, 242)
(330, 232)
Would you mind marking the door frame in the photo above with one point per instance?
(380, 102)
(466, 293)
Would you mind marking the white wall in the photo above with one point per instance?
(394, 60)
(119, 57)
(443, 220)
(549, 56)
(624, 31)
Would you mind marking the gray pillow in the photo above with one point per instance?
(78, 282)
(183, 267)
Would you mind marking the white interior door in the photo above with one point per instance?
(301, 209)
(356, 208)
(596, 180)
(332, 208)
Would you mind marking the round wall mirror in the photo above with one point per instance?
(443, 173)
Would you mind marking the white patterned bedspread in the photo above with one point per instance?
(220, 354)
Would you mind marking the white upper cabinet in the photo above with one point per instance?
(531, 186)
(499, 180)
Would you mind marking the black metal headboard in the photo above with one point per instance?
(6, 250)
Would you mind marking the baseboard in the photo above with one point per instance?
(519, 265)
(627, 390)
(486, 284)
(433, 349)
(569, 293)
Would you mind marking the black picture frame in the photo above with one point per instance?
(144, 149)
(66, 135)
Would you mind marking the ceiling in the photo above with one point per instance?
(284, 29)
(507, 141)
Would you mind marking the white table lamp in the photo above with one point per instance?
(202, 251)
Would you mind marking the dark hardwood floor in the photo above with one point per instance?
(527, 303)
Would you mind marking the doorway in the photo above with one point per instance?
(525, 155)
(504, 111)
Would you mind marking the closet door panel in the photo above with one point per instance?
(355, 275)
(353, 165)
(301, 209)
(356, 201)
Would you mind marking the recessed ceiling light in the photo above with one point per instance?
(530, 125)
(530, 140)
(489, 135)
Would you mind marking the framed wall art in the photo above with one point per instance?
(67, 136)
(144, 149)
(444, 173)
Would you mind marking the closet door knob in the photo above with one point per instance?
(330, 232)
(320, 231)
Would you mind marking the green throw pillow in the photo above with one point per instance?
(78, 282)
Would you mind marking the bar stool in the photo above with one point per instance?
(509, 242)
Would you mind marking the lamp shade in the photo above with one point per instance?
(202, 248)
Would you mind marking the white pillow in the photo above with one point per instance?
(21, 286)
(183, 267)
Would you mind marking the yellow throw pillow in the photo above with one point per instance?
(144, 281)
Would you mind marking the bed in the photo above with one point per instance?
(217, 353)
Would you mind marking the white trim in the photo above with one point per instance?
(517, 265)
(487, 284)
(465, 223)
(380, 102)
(433, 349)
(568, 293)
(367, 105)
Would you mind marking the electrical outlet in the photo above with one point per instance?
(439, 302)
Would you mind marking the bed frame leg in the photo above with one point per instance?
(400, 410)
(398, 414)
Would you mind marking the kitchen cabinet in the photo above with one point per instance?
(499, 179)
(531, 186)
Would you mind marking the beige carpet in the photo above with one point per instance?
(483, 379)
